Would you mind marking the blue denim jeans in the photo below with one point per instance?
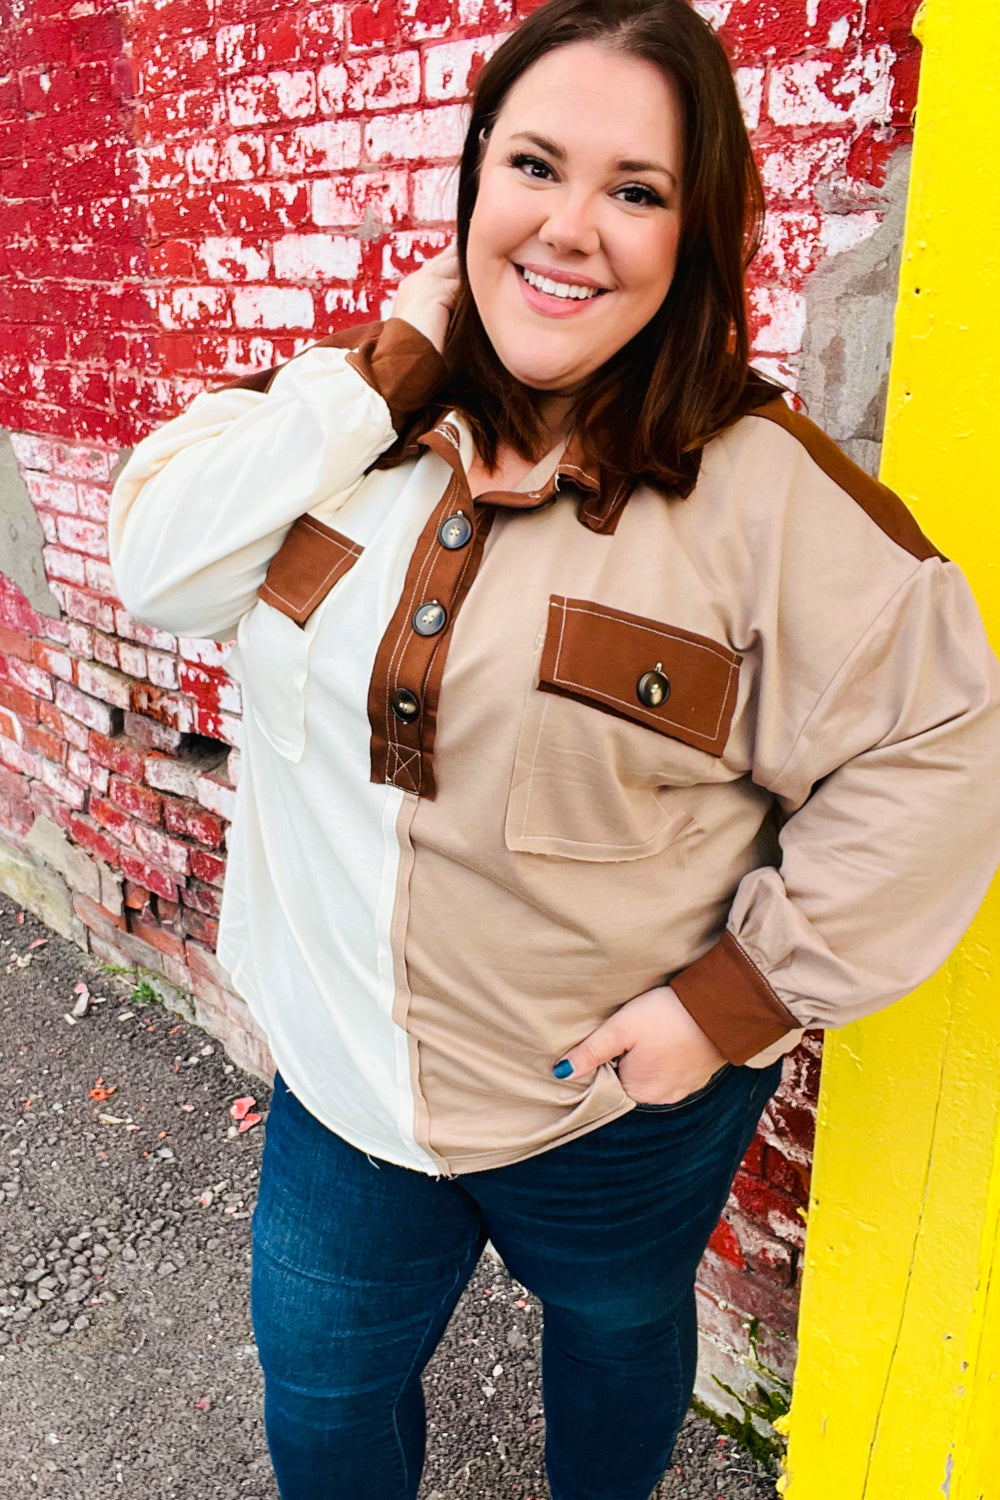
(358, 1266)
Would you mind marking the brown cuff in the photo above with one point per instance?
(732, 1002)
(402, 365)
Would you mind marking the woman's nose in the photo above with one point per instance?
(571, 225)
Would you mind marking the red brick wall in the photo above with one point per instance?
(194, 190)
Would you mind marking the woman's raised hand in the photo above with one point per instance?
(426, 297)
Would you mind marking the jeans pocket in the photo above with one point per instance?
(706, 1088)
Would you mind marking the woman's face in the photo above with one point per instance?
(579, 184)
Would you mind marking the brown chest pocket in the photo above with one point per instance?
(305, 568)
(611, 784)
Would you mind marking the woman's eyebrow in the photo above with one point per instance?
(627, 164)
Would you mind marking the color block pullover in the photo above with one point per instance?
(512, 760)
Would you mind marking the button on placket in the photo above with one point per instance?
(430, 618)
(455, 531)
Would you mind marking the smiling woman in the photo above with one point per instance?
(606, 149)
(606, 728)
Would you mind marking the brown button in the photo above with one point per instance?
(430, 618)
(405, 705)
(653, 689)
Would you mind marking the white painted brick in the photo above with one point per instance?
(715, 12)
(415, 25)
(57, 494)
(422, 134)
(162, 848)
(24, 761)
(841, 232)
(243, 357)
(162, 670)
(782, 316)
(349, 199)
(241, 158)
(282, 94)
(48, 525)
(272, 307)
(329, 146)
(314, 257)
(65, 787)
(99, 577)
(60, 564)
(216, 796)
(470, 12)
(750, 88)
(32, 451)
(94, 503)
(193, 306)
(861, 94)
(379, 83)
(435, 195)
(447, 69)
(401, 249)
(345, 299)
(103, 683)
(132, 659)
(231, 43)
(24, 675)
(137, 630)
(228, 259)
(204, 653)
(331, 88)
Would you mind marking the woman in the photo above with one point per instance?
(606, 727)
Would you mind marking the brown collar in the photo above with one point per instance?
(602, 499)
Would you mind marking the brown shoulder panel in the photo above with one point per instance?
(884, 506)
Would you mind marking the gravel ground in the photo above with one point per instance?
(127, 1360)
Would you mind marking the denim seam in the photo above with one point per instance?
(430, 1324)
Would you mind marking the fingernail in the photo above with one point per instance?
(563, 1069)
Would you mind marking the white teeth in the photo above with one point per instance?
(559, 288)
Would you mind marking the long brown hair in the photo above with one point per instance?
(684, 376)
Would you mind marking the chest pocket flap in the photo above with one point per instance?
(680, 684)
(305, 568)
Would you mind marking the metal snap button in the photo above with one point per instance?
(653, 689)
(430, 618)
(405, 705)
(455, 532)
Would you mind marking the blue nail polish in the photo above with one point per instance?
(563, 1069)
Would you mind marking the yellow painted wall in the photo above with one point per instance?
(897, 1391)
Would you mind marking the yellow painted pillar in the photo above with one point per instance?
(897, 1391)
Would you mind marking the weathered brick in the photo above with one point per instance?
(84, 831)
(212, 792)
(135, 896)
(83, 768)
(90, 711)
(202, 897)
(143, 926)
(43, 742)
(97, 918)
(152, 876)
(65, 786)
(31, 678)
(111, 687)
(82, 535)
(419, 135)
(193, 821)
(16, 643)
(316, 257)
(62, 564)
(138, 800)
(167, 852)
(208, 867)
(272, 307)
(120, 823)
(50, 660)
(146, 635)
(450, 70)
(329, 146)
(20, 760)
(361, 196)
(200, 927)
(118, 755)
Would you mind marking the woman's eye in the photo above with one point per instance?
(520, 159)
(646, 195)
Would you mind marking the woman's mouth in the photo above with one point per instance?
(557, 299)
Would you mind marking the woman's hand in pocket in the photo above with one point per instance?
(426, 297)
(664, 1053)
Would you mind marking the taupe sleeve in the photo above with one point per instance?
(891, 787)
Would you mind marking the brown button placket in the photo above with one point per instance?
(410, 661)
